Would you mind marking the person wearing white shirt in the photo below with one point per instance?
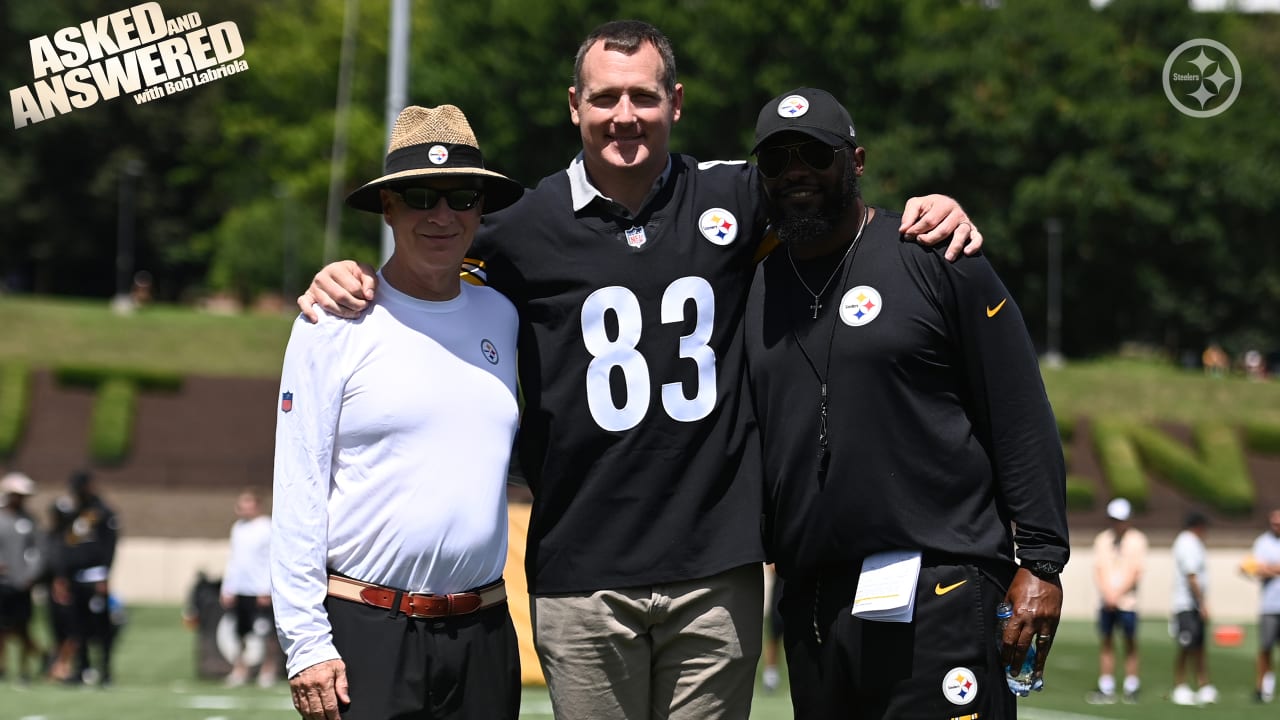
(1266, 568)
(1119, 556)
(1191, 612)
(393, 437)
(246, 590)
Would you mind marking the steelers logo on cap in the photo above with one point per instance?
(793, 106)
(438, 154)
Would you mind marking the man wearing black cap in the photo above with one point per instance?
(389, 529)
(83, 548)
(904, 426)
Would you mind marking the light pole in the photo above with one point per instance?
(1053, 350)
(397, 88)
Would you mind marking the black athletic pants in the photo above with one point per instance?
(465, 667)
(944, 664)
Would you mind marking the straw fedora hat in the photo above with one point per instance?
(434, 142)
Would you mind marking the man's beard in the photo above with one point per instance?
(798, 229)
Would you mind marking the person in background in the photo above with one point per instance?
(82, 550)
(1190, 608)
(21, 564)
(246, 588)
(1119, 556)
(1265, 567)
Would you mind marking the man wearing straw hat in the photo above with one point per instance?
(630, 270)
(393, 434)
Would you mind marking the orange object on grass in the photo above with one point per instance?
(1228, 635)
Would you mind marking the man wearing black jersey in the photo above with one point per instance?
(904, 426)
(629, 270)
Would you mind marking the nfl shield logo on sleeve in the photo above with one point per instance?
(286, 401)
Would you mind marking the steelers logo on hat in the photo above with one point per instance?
(793, 106)
(438, 154)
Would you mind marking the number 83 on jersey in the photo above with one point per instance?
(621, 352)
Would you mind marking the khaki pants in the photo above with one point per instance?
(684, 651)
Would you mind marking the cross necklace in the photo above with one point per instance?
(817, 302)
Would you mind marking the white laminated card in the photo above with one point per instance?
(887, 586)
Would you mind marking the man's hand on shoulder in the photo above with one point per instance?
(343, 288)
(933, 218)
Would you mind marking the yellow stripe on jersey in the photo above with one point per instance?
(473, 272)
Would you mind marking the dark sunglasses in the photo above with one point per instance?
(814, 153)
(421, 198)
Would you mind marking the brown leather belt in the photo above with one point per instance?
(418, 605)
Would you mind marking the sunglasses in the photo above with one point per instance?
(814, 153)
(421, 198)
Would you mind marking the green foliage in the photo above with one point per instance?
(1080, 493)
(1121, 465)
(1066, 427)
(15, 398)
(1218, 477)
(111, 425)
(1262, 436)
(1057, 112)
(98, 375)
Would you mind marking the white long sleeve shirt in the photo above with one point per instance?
(393, 436)
(248, 572)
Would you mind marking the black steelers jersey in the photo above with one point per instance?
(630, 365)
(939, 431)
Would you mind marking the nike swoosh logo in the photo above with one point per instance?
(939, 590)
(991, 311)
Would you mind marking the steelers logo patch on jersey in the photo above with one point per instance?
(960, 686)
(719, 226)
(860, 306)
(793, 106)
(490, 351)
(438, 154)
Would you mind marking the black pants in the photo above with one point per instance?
(943, 664)
(398, 668)
(90, 624)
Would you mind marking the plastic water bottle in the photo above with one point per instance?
(1022, 681)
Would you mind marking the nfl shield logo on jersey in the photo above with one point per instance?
(635, 237)
(286, 401)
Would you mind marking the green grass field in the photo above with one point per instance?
(155, 680)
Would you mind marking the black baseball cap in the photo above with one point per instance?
(810, 111)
